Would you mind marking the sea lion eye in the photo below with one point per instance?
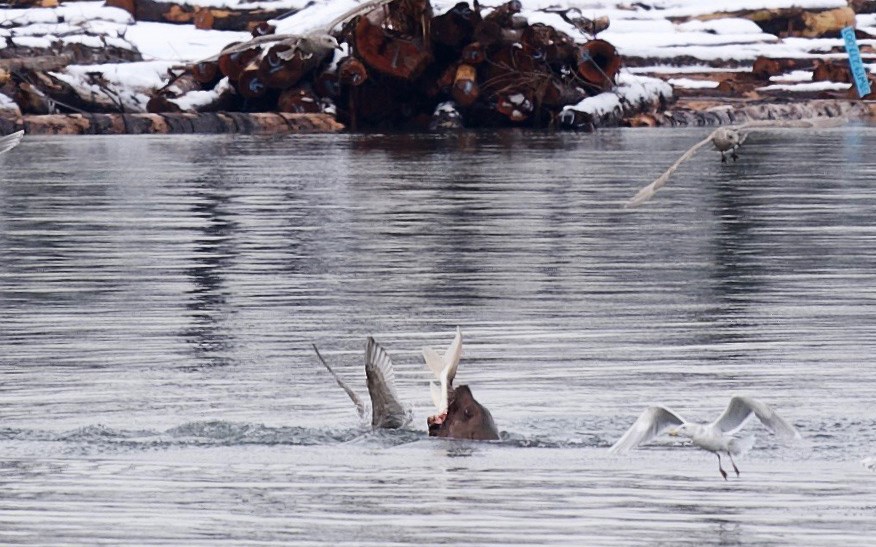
(467, 413)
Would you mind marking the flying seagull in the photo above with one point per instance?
(716, 437)
(387, 412)
(724, 139)
(10, 141)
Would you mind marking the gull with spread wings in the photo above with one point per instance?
(387, 411)
(726, 140)
(717, 437)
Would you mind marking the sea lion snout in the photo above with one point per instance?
(465, 419)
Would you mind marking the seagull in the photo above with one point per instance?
(725, 139)
(308, 44)
(315, 41)
(10, 141)
(716, 437)
(444, 368)
(387, 412)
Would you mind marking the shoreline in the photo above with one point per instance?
(376, 65)
(684, 112)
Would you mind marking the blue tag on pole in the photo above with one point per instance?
(855, 62)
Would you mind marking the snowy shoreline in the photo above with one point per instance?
(716, 52)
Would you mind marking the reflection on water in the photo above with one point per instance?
(160, 296)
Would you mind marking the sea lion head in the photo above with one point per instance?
(465, 419)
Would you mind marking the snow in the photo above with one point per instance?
(793, 76)
(807, 87)
(194, 99)
(157, 41)
(729, 25)
(130, 83)
(316, 17)
(689, 83)
(631, 90)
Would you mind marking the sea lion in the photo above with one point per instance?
(465, 419)
(387, 411)
(459, 415)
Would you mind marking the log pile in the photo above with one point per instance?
(403, 62)
(202, 17)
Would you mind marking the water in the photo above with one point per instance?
(159, 296)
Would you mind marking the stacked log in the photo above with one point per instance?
(404, 61)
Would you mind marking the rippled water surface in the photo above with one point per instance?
(159, 295)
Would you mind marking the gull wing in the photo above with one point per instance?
(386, 409)
(10, 141)
(650, 423)
(757, 125)
(360, 407)
(645, 193)
(740, 409)
(444, 368)
(452, 356)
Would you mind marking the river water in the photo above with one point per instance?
(159, 295)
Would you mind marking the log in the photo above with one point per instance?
(389, 53)
(455, 28)
(765, 67)
(599, 63)
(31, 100)
(794, 22)
(67, 97)
(474, 54)
(114, 124)
(827, 71)
(250, 85)
(263, 28)
(233, 64)
(352, 72)
(201, 17)
(547, 44)
(327, 84)
(278, 73)
(205, 72)
(517, 107)
(43, 63)
(465, 86)
(300, 100)
(504, 14)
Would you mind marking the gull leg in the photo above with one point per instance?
(734, 155)
(721, 469)
(729, 455)
(723, 158)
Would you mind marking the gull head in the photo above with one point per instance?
(726, 138)
(327, 41)
(684, 430)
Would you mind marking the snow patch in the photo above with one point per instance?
(807, 87)
(689, 83)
